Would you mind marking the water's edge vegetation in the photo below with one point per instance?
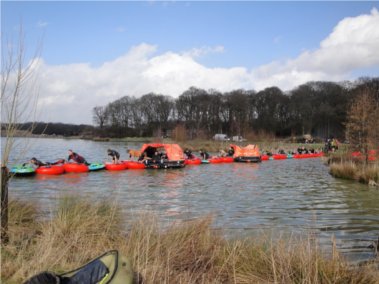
(78, 230)
(343, 165)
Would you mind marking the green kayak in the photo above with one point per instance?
(21, 170)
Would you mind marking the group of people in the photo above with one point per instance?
(156, 158)
(73, 157)
(204, 155)
(299, 150)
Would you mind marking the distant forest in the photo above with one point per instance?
(58, 129)
(316, 108)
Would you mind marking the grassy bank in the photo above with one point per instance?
(189, 252)
(368, 174)
(343, 165)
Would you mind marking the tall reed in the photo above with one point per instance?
(184, 252)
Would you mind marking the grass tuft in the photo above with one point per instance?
(185, 252)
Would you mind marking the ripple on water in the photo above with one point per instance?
(295, 195)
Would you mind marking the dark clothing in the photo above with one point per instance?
(189, 154)
(230, 152)
(204, 155)
(38, 163)
(114, 154)
(76, 158)
(157, 158)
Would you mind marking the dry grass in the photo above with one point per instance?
(349, 169)
(187, 252)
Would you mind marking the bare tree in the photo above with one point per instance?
(99, 116)
(362, 122)
(18, 102)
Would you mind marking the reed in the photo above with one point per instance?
(344, 169)
(182, 252)
(355, 170)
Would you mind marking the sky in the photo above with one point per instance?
(89, 53)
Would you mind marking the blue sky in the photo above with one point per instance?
(252, 44)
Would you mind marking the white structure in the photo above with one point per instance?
(221, 137)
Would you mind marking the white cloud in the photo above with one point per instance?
(198, 52)
(353, 44)
(69, 92)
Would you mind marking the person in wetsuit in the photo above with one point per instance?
(115, 155)
(189, 154)
(37, 163)
(144, 158)
(231, 152)
(76, 158)
(204, 155)
(34, 161)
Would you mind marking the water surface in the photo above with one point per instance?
(282, 196)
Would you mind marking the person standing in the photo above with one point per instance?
(115, 155)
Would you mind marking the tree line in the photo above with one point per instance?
(317, 108)
(52, 128)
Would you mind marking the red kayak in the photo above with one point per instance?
(265, 157)
(133, 165)
(227, 159)
(309, 155)
(279, 156)
(50, 170)
(215, 160)
(75, 168)
(195, 161)
(115, 167)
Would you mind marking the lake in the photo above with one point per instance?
(283, 196)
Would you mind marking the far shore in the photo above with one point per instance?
(210, 145)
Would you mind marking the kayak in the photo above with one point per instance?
(50, 170)
(204, 161)
(227, 159)
(265, 157)
(110, 267)
(115, 167)
(75, 168)
(134, 165)
(195, 161)
(96, 167)
(215, 160)
(20, 170)
(279, 156)
(309, 155)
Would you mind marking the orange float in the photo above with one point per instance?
(115, 167)
(195, 161)
(133, 165)
(50, 170)
(75, 168)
